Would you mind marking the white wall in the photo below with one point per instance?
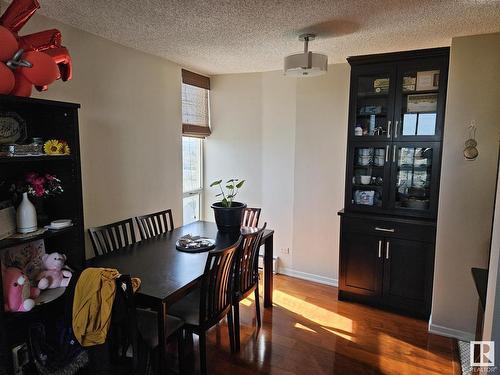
(130, 126)
(467, 187)
(300, 132)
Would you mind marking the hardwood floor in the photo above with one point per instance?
(309, 331)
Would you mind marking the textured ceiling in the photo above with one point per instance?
(235, 36)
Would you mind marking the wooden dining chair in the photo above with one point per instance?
(250, 217)
(111, 237)
(209, 304)
(152, 225)
(246, 275)
(134, 332)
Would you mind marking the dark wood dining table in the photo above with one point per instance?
(168, 274)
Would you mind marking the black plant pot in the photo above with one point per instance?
(228, 219)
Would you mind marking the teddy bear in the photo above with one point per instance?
(18, 293)
(53, 274)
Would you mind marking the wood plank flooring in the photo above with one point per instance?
(309, 331)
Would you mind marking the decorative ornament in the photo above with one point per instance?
(470, 150)
(36, 59)
(56, 147)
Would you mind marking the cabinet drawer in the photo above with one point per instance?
(407, 229)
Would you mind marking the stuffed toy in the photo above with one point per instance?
(17, 292)
(53, 275)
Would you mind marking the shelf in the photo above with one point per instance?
(372, 95)
(28, 100)
(369, 186)
(415, 168)
(8, 242)
(368, 166)
(44, 158)
(436, 91)
(381, 114)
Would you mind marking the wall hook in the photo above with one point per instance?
(470, 150)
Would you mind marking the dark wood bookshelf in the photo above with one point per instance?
(45, 119)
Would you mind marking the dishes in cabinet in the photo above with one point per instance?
(364, 197)
(364, 160)
(365, 180)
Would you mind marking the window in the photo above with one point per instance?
(195, 127)
(192, 176)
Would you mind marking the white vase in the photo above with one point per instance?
(26, 216)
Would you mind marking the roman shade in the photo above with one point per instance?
(195, 105)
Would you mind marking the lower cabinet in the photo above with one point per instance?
(385, 263)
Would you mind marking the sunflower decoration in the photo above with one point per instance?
(56, 147)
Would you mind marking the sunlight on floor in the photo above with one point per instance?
(328, 320)
(301, 326)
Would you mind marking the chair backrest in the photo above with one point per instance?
(246, 273)
(250, 217)
(216, 285)
(108, 238)
(152, 225)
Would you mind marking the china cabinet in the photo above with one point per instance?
(46, 120)
(395, 129)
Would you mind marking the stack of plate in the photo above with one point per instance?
(59, 224)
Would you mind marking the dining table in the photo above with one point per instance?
(168, 274)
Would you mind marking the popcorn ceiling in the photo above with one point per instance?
(219, 37)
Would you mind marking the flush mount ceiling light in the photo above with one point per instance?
(306, 64)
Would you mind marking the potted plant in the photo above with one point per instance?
(228, 213)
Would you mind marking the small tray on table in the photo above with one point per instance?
(194, 244)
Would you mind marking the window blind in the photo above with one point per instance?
(195, 105)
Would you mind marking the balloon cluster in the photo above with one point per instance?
(32, 60)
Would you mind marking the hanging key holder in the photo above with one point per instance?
(470, 150)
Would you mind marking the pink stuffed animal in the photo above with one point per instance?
(17, 292)
(53, 275)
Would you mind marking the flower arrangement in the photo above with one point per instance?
(56, 147)
(38, 185)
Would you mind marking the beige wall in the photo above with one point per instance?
(130, 129)
(300, 133)
(467, 187)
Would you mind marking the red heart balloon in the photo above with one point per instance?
(22, 87)
(44, 70)
(8, 44)
(7, 80)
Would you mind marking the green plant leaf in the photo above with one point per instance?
(225, 202)
(229, 181)
(229, 186)
(215, 183)
(240, 184)
(231, 196)
(218, 195)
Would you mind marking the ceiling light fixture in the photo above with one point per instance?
(306, 64)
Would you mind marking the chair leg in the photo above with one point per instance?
(257, 306)
(230, 328)
(203, 352)
(180, 349)
(237, 326)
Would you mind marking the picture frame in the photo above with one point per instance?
(428, 80)
(422, 103)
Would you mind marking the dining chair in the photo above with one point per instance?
(111, 237)
(134, 332)
(152, 225)
(209, 304)
(250, 217)
(246, 275)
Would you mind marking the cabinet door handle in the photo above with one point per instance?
(386, 153)
(394, 154)
(380, 248)
(387, 247)
(389, 129)
(385, 229)
(396, 129)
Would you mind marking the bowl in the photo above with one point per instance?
(365, 180)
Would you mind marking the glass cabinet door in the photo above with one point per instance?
(414, 171)
(372, 114)
(369, 176)
(419, 97)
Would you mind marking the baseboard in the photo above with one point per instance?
(450, 332)
(308, 276)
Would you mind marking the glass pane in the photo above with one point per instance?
(191, 208)
(194, 105)
(191, 164)
(419, 104)
(371, 109)
(368, 176)
(414, 168)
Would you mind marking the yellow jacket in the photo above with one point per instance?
(92, 305)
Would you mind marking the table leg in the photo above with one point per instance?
(162, 339)
(268, 271)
